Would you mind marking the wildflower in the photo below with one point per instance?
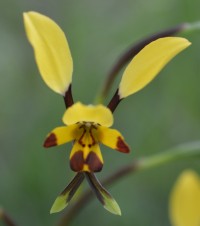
(184, 202)
(88, 125)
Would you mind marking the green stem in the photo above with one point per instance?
(190, 28)
(181, 152)
(184, 151)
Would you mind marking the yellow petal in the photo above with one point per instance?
(51, 49)
(79, 112)
(148, 63)
(61, 135)
(184, 206)
(86, 158)
(112, 138)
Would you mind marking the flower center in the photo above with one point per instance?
(88, 134)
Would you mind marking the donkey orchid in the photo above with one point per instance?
(88, 125)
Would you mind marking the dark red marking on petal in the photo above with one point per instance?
(50, 141)
(77, 161)
(91, 135)
(94, 163)
(122, 146)
(81, 138)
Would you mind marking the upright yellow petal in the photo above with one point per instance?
(148, 63)
(184, 206)
(79, 112)
(51, 49)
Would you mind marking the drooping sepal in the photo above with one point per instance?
(67, 194)
(103, 195)
(51, 50)
(148, 63)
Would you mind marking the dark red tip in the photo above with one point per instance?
(122, 146)
(77, 161)
(50, 141)
(94, 163)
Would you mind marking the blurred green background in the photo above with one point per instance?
(164, 114)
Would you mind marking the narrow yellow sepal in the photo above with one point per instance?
(79, 112)
(184, 205)
(51, 50)
(148, 63)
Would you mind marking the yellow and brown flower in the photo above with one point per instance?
(87, 126)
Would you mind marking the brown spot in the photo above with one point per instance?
(94, 163)
(93, 140)
(77, 161)
(50, 141)
(122, 146)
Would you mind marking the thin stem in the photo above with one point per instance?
(131, 52)
(114, 101)
(68, 98)
(190, 150)
(190, 28)
(6, 218)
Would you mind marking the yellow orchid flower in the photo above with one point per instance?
(184, 204)
(88, 125)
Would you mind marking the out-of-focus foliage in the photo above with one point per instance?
(165, 113)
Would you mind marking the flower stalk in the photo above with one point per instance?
(190, 28)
